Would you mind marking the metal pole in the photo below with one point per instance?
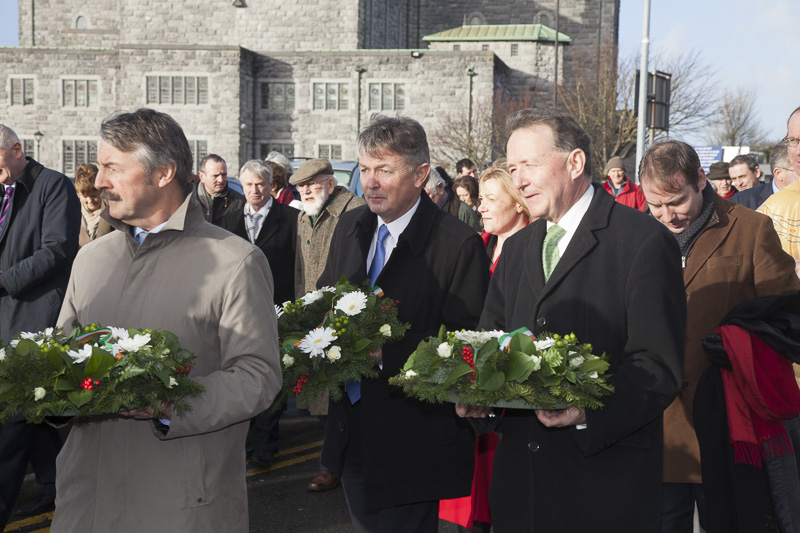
(555, 85)
(470, 74)
(640, 132)
(359, 70)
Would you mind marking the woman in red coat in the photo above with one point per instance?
(504, 213)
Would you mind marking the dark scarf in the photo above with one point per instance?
(686, 238)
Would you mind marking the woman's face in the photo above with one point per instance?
(500, 212)
(92, 202)
(463, 195)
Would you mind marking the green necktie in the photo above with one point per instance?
(550, 255)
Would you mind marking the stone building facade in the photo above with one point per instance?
(245, 77)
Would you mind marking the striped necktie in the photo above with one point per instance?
(9, 196)
(255, 219)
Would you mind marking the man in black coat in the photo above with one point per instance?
(272, 227)
(616, 284)
(401, 455)
(222, 206)
(40, 217)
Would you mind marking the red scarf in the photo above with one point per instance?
(760, 391)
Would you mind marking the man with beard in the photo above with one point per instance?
(221, 205)
(324, 201)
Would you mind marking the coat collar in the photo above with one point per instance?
(583, 242)
(188, 214)
(29, 174)
(271, 223)
(710, 238)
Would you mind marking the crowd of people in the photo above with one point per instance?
(687, 281)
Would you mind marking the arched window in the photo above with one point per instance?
(81, 23)
(476, 18)
(544, 18)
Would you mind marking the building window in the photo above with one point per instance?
(28, 148)
(77, 152)
(387, 96)
(286, 148)
(484, 47)
(330, 151)
(21, 91)
(79, 93)
(514, 50)
(456, 47)
(199, 151)
(177, 90)
(81, 23)
(277, 96)
(331, 96)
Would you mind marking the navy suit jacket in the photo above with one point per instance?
(753, 198)
(38, 242)
(618, 286)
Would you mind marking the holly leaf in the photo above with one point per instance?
(457, 372)
(80, 397)
(99, 364)
(595, 365)
(520, 366)
(491, 380)
(522, 343)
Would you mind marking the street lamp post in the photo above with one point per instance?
(38, 136)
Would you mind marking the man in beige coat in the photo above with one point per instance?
(167, 268)
(730, 255)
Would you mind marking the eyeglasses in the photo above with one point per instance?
(312, 184)
(791, 141)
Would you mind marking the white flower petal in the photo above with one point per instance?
(386, 330)
(82, 354)
(135, 343)
(444, 350)
(288, 360)
(317, 340)
(352, 303)
(38, 393)
(335, 353)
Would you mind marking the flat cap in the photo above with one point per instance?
(718, 171)
(310, 169)
(614, 162)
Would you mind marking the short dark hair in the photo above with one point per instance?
(663, 162)
(401, 135)
(747, 159)
(279, 177)
(779, 157)
(210, 157)
(155, 139)
(461, 163)
(567, 133)
(470, 184)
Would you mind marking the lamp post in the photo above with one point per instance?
(38, 136)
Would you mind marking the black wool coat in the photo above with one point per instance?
(37, 247)
(412, 451)
(278, 240)
(619, 287)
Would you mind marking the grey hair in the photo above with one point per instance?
(259, 168)
(434, 179)
(7, 137)
(567, 133)
(154, 139)
(779, 157)
(280, 160)
(401, 135)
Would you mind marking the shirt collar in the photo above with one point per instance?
(248, 210)
(137, 230)
(398, 226)
(572, 218)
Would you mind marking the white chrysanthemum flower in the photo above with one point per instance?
(172, 382)
(352, 303)
(48, 332)
(119, 333)
(544, 344)
(132, 344)
(335, 353)
(575, 362)
(592, 375)
(38, 338)
(477, 339)
(38, 393)
(410, 373)
(81, 355)
(444, 350)
(28, 335)
(288, 360)
(537, 362)
(278, 311)
(328, 289)
(311, 297)
(317, 340)
(386, 330)
(2, 353)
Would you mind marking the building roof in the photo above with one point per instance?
(498, 32)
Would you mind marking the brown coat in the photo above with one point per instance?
(214, 291)
(736, 258)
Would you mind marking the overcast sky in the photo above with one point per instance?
(751, 42)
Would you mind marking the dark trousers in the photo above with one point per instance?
(264, 434)
(417, 517)
(21, 443)
(677, 507)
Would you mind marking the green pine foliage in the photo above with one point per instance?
(39, 378)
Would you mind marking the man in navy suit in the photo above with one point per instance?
(612, 276)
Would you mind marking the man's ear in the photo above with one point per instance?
(576, 162)
(421, 175)
(165, 175)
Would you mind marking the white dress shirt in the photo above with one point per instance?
(264, 211)
(572, 219)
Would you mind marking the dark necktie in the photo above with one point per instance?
(9, 195)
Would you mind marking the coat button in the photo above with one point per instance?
(341, 426)
(541, 321)
(308, 241)
(533, 446)
(199, 500)
(685, 385)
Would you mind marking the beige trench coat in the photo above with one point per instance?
(214, 291)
